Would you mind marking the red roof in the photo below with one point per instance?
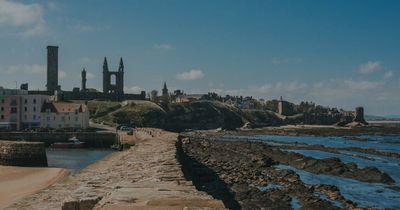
(63, 107)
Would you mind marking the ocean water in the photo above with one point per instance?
(389, 165)
(382, 143)
(74, 159)
(373, 195)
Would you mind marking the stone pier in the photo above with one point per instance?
(147, 176)
(21, 153)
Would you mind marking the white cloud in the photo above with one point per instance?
(24, 69)
(52, 5)
(388, 74)
(218, 91)
(133, 89)
(193, 74)
(61, 74)
(35, 69)
(163, 46)
(362, 85)
(27, 17)
(279, 87)
(90, 75)
(10, 70)
(369, 67)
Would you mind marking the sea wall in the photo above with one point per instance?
(92, 139)
(15, 153)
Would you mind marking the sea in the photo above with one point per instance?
(375, 195)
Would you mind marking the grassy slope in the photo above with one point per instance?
(176, 117)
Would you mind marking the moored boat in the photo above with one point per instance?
(73, 143)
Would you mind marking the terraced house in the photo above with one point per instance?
(18, 110)
(59, 114)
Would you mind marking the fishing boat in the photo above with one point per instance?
(73, 143)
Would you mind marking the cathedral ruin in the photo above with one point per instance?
(113, 83)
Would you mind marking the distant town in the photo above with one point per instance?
(54, 108)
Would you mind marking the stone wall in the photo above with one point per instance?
(92, 139)
(15, 153)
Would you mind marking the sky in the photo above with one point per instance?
(343, 53)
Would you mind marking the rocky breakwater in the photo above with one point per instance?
(244, 175)
(146, 176)
(19, 153)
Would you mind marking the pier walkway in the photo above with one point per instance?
(147, 176)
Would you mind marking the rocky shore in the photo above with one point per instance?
(246, 174)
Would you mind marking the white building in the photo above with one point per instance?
(64, 115)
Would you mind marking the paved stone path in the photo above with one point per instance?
(147, 176)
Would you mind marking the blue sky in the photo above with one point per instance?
(335, 53)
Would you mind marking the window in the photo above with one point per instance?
(2, 100)
(34, 117)
(63, 118)
(47, 111)
(26, 101)
(13, 110)
(25, 109)
(76, 111)
(2, 108)
(48, 118)
(2, 117)
(34, 101)
(34, 109)
(76, 119)
(54, 118)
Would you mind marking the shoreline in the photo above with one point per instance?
(19, 182)
(271, 176)
(111, 177)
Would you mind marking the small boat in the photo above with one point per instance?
(73, 143)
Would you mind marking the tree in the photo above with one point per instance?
(154, 96)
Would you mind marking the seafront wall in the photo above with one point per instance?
(92, 139)
(14, 153)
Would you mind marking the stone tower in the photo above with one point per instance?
(359, 115)
(83, 80)
(52, 69)
(106, 76)
(120, 77)
(283, 107)
(165, 94)
(165, 90)
(113, 86)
